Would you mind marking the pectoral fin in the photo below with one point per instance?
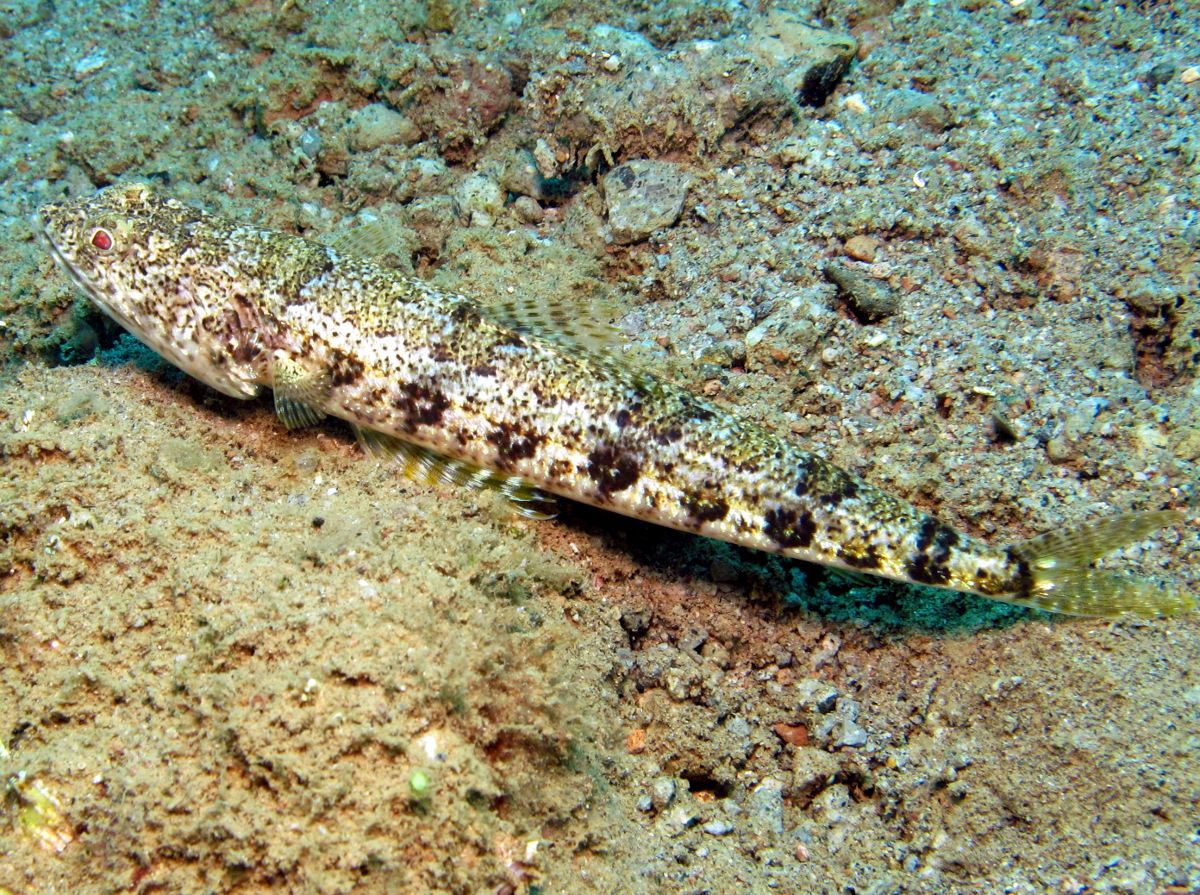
(299, 394)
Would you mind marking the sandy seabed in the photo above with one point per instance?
(236, 659)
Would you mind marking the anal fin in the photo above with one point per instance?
(299, 394)
(425, 465)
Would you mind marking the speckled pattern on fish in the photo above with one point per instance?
(437, 381)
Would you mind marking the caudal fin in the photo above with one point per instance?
(1063, 580)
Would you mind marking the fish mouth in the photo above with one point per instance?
(42, 230)
(86, 285)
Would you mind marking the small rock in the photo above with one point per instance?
(481, 199)
(724, 570)
(738, 726)
(1076, 425)
(862, 248)
(870, 299)
(973, 236)
(808, 61)
(682, 683)
(1147, 296)
(643, 196)
(635, 743)
(679, 819)
(1059, 450)
(718, 827)
(693, 638)
(833, 803)
(90, 64)
(421, 178)
(662, 792)
(527, 210)
(795, 734)
(905, 105)
(1149, 437)
(812, 770)
(849, 733)
(545, 159)
(521, 175)
(788, 337)
(433, 218)
(376, 125)
(816, 696)
(765, 806)
(1186, 444)
(636, 619)
(715, 652)
(310, 143)
(1158, 74)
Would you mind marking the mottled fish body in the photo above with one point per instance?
(462, 393)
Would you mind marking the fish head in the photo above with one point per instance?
(148, 261)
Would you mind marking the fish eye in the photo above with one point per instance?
(102, 239)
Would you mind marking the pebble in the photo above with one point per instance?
(433, 218)
(739, 727)
(636, 620)
(718, 827)
(789, 336)
(421, 178)
(643, 196)
(1186, 444)
(795, 734)
(310, 143)
(862, 248)
(679, 819)
(90, 64)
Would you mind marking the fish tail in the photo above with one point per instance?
(1061, 578)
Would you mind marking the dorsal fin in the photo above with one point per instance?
(425, 465)
(562, 322)
(374, 240)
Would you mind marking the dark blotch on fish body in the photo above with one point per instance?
(611, 470)
(934, 542)
(420, 405)
(512, 446)
(704, 509)
(789, 529)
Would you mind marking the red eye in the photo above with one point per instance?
(102, 239)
